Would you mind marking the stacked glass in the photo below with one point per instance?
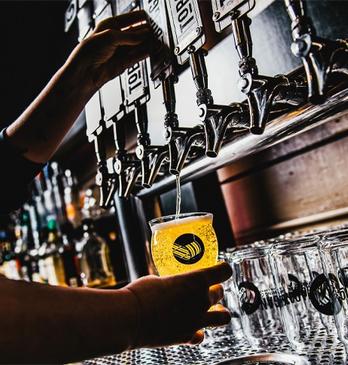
(290, 290)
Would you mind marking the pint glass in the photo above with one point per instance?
(183, 242)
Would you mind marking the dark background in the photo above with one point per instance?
(33, 47)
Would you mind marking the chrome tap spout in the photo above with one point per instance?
(318, 55)
(216, 120)
(181, 141)
(263, 92)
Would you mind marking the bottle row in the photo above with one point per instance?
(52, 239)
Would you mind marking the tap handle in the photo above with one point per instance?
(199, 69)
(300, 23)
(169, 94)
(99, 149)
(158, 159)
(132, 178)
(119, 136)
(120, 170)
(141, 123)
(200, 76)
(242, 36)
(171, 118)
(244, 45)
(144, 156)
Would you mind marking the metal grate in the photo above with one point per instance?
(222, 348)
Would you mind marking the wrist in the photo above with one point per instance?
(134, 320)
(75, 77)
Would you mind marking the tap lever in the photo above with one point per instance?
(104, 178)
(119, 136)
(143, 154)
(124, 163)
(318, 54)
(242, 40)
(157, 160)
(107, 185)
(300, 23)
(152, 159)
(200, 76)
(132, 176)
(141, 123)
(169, 98)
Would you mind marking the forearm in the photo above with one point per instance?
(42, 126)
(55, 325)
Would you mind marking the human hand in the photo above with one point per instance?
(174, 309)
(116, 44)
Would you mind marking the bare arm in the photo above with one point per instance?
(44, 324)
(115, 44)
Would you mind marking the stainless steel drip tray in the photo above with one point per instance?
(266, 359)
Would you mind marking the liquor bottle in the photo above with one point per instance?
(9, 266)
(96, 269)
(48, 194)
(57, 178)
(37, 262)
(41, 257)
(71, 199)
(49, 252)
(24, 243)
(38, 203)
(69, 256)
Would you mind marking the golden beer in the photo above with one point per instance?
(184, 242)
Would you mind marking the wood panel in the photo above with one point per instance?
(299, 182)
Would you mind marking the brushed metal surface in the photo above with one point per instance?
(280, 129)
(267, 358)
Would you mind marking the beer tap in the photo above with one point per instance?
(317, 54)
(105, 178)
(180, 140)
(215, 118)
(151, 157)
(189, 38)
(126, 166)
(262, 92)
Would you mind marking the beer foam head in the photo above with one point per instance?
(172, 221)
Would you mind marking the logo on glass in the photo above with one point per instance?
(188, 249)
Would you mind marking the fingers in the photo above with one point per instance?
(216, 318)
(216, 274)
(216, 293)
(197, 338)
(124, 21)
(127, 59)
(117, 38)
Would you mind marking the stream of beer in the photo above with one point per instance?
(178, 196)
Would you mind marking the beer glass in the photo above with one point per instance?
(183, 242)
(299, 274)
(265, 320)
(333, 249)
